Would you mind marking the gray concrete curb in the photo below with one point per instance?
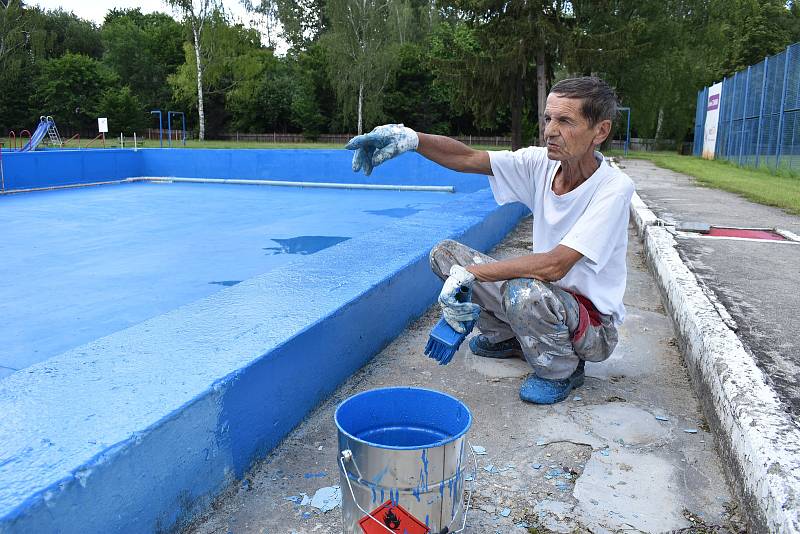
(758, 441)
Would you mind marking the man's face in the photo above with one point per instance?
(568, 134)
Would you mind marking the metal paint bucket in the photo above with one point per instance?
(402, 462)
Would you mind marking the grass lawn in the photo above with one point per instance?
(764, 186)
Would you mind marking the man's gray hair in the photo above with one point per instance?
(599, 99)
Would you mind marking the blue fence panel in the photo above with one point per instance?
(759, 116)
(725, 118)
(791, 136)
(700, 121)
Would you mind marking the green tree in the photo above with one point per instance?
(412, 97)
(302, 21)
(70, 87)
(15, 67)
(491, 54)
(361, 54)
(245, 83)
(124, 111)
(55, 33)
(305, 109)
(195, 14)
(143, 49)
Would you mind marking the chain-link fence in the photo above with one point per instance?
(759, 114)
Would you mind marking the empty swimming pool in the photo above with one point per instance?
(84, 263)
(168, 335)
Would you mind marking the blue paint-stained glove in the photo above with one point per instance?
(381, 144)
(457, 309)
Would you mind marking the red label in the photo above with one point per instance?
(395, 518)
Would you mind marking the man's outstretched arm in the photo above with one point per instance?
(390, 140)
(453, 154)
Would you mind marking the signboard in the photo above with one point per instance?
(393, 518)
(712, 120)
(102, 125)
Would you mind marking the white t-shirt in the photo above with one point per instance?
(591, 219)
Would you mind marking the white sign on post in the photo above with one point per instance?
(102, 125)
(712, 120)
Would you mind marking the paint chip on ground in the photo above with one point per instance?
(326, 499)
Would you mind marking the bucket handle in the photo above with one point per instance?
(347, 456)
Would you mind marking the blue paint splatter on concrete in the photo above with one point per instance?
(226, 283)
(321, 474)
(397, 213)
(305, 244)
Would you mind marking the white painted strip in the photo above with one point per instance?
(57, 187)
(283, 183)
(788, 235)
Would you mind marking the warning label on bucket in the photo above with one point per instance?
(393, 517)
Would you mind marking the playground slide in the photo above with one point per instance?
(37, 136)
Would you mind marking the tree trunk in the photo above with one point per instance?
(659, 123)
(541, 91)
(200, 111)
(360, 108)
(517, 103)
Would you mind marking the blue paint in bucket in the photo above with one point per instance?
(403, 418)
(406, 445)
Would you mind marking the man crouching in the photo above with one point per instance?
(561, 305)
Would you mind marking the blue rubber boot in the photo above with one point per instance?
(543, 391)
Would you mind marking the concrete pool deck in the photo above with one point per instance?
(732, 302)
(601, 461)
(138, 430)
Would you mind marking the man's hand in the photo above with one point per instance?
(455, 299)
(381, 144)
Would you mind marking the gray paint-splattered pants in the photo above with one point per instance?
(555, 328)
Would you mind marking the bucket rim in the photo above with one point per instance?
(440, 443)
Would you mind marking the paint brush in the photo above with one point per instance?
(444, 339)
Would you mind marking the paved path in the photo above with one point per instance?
(757, 282)
(598, 462)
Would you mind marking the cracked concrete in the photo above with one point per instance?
(616, 456)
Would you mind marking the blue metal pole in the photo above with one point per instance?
(779, 148)
(183, 121)
(728, 148)
(169, 129)
(744, 116)
(160, 127)
(761, 112)
(628, 132)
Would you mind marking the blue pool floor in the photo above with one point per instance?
(83, 263)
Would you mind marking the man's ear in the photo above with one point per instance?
(602, 131)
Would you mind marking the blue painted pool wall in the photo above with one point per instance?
(72, 167)
(49, 168)
(188, 401)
